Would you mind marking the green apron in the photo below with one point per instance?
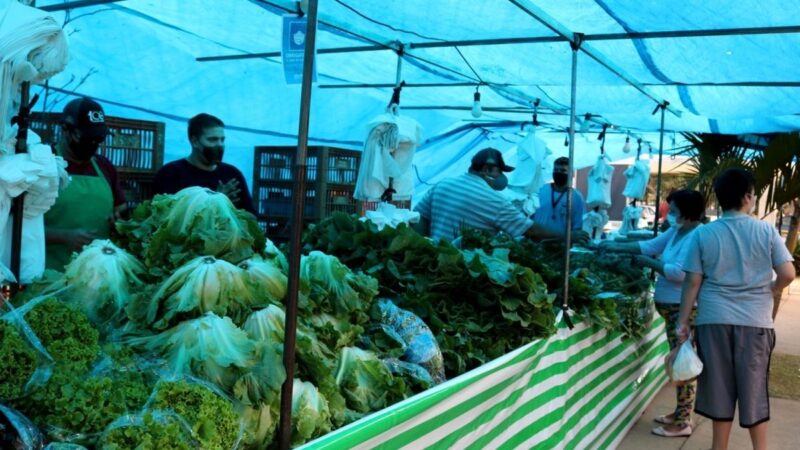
(86, 203)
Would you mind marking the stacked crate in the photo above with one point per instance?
(134, 147)
(331, 175)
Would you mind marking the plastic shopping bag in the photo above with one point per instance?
(683, 364)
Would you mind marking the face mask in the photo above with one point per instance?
(497, 183)
(84, 148)
(559, 178)
(753, 207)
(213, 155)
(672, 219)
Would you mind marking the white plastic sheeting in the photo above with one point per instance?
(138, 58)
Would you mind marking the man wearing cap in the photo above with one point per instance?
(552, 214)
(204, 166)
(473, 200)
(87, 208)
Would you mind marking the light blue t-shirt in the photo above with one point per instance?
(552, 212)
(736, 255)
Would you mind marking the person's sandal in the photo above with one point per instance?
(683, 432)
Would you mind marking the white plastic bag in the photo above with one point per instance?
(684, 364)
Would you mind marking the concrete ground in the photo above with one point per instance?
(784, 426)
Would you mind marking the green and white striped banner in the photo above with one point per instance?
(581, 388)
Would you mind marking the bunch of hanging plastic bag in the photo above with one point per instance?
(420, 344)
(682, 363)
(17, 432)
(25, 365)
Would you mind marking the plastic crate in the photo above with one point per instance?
(339, 200)
(133, 146)
(276, 201)
(275, 164)
(328, 170)
(277, 229)
(372, 206)
(138, 187)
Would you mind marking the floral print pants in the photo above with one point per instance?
(685, 392)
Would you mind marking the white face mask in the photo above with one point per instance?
(672, 219)
(753, 206)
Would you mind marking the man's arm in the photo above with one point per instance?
(785, 277)
(423, 227)
(691, 287)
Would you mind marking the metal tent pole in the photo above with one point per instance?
(298, 203)
(599, 37)
(663, 108)
(575, 45)
(18, 204)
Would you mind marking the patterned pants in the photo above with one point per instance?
(685, 392)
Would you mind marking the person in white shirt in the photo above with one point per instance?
(686, 209)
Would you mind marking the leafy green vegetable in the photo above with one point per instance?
(64, 331)
(203, 285)
(150, 431)
(310, 413)
(212, 419)
(172, 229)
(102, 280)
(266, 277)
(314, 360)
(17, 361)
(75, 409)
(210, 347)
(366, 382)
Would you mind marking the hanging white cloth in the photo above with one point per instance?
(530, 173)
(33, 47)
(638, 175)
(599, 184)
(388, 154)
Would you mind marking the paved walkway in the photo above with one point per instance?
(785, 414)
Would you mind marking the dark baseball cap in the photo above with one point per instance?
(490, 156)
(87, 116)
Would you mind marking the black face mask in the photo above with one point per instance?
(213, 155)
(559, 178)
(497, 183)
(84, 148)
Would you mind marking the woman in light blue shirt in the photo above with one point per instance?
(686, 209)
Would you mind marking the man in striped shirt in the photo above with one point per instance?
(473, 200)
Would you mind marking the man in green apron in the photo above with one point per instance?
(87, 208)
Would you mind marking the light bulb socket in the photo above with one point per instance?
(476, 96)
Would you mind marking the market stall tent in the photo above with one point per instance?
(723, 68)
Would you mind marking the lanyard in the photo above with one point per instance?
(554, 202)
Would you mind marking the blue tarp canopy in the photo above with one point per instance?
(727, 67)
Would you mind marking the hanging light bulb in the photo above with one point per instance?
(627, 147)
(566, 139)
(476, 104)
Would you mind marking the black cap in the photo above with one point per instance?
(490, 156)
(87, 116)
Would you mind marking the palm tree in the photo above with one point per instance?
(709, 155)
(778, 177)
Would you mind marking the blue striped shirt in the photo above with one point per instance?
(467, 201)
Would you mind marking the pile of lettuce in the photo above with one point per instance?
(170, 230)
(472, 296)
